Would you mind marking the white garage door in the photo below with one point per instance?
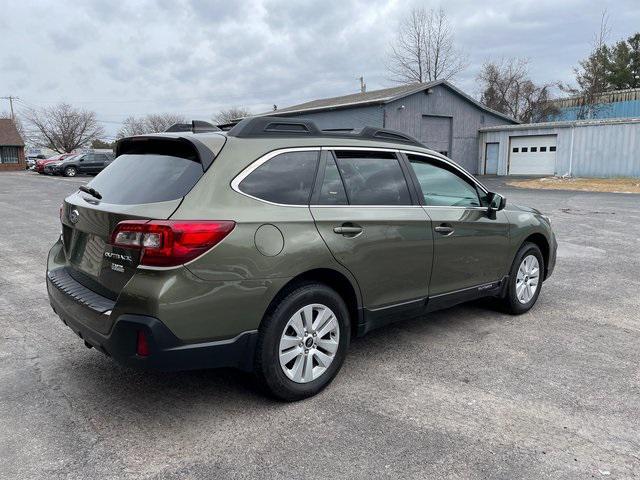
(532, 155)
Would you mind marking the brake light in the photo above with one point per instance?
(169, 243)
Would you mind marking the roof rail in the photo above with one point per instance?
(293, 127)
(332, 130)
(196, 126)
(277, 126)
(388, 135)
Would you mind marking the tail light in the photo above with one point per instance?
(169, 243)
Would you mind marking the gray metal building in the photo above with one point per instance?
(583, 148)
(438, 114)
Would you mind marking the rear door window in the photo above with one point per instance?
(372, 178)
(332, 191)
(146, 178)
(286, 178)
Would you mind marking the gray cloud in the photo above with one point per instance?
(195, 56)
(65, 40)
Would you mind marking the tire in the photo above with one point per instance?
(519, 298)
(279, 333)
(70, 172)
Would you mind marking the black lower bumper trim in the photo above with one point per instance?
(84, 312)
(166, 351)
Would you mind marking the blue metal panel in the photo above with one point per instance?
(626, 109)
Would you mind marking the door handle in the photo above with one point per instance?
(348, 230)
(444, 229)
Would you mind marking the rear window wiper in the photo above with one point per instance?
(91, 191)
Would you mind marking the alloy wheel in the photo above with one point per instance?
(309, 343)
(527, 279)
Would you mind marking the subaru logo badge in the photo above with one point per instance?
(74, 216)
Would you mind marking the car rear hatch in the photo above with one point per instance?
(147, 181)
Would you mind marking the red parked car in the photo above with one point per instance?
(57, 158)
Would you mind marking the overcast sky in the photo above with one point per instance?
(196, 57)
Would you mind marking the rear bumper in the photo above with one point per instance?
(84, 313)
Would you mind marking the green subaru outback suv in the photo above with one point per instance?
(269, 246)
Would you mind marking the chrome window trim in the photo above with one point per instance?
(443, 159)
(365, 206)
(235, 183)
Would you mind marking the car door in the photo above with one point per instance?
(470, 242)
(367, 216)
(84, 163)
(100, 161)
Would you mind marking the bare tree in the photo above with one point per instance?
(231, 114)
(507, 88)
(132, 126)
(591, 73)
(160, 122)
(152, 123)
(62, 128)
(424, 49)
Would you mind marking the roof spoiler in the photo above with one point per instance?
(196, 126)
(184, 147)
(292, 127)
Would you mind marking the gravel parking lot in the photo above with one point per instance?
(464, 393)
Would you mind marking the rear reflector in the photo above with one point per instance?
(142, 346)
(169, 243)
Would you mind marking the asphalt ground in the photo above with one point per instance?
(465, 393)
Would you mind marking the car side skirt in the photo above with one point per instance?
(379, 317)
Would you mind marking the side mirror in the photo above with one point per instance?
(497, 203)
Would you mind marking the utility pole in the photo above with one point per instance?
(363, 86)
(11, 99)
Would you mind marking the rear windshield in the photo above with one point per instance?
(133, 178)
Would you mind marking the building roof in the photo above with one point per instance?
(561, 124)
(378, 97)
(9, 133)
